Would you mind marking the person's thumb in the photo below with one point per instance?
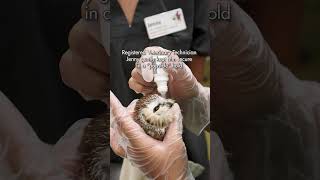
(175, 128)
(116, 107)
(114, 142)
(123, 119)
(145, 67)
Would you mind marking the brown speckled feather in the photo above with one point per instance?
(95, 149)
(154, 123)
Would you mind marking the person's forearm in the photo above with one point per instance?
(245, 70)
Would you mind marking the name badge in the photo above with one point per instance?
(165, 23)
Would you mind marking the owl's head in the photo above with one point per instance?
(152, 114)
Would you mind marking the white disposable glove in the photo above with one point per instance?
(165, 159)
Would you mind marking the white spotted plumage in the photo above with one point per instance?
(152, 114)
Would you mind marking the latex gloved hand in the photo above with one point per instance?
(180, 78)
(182, 86)
(165, 159)
(84, 66)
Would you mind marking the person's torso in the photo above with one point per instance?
(135, 38)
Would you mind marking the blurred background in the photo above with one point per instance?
(310, 38)
(292, 30)
(34, 35)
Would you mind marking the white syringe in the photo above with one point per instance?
(161, 76)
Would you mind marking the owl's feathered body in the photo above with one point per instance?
(95, 149)
(151, 113)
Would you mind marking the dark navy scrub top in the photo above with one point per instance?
(123, 37)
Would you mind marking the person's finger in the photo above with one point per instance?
(91, 51)
(116, 107)
(88, 82)
(136, 75)
(135, 135)
(146, 69)
(173, 62)
(134, 85)
(145, 63)
(125, 123)
(132, 105)
(120, 115)
(136, 138)
(155, 50)
(139, 88)
(175, 128)
(179, 71)
(114, 142)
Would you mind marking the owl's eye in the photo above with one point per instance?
(168, 104)
(156, 108)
